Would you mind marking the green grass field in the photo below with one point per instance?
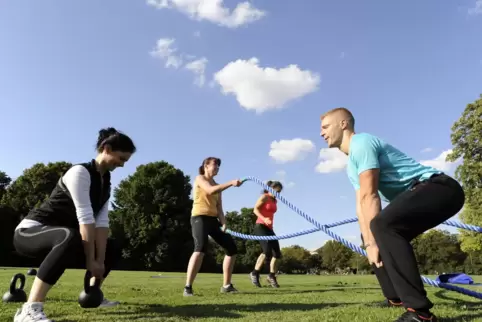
(300, 298)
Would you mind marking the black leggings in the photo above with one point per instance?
(426, 205)
(270, 248)
(60, 247)
(204, 226)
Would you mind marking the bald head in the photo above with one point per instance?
(337, 126)
(340, 115)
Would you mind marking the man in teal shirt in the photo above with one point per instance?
(420, 198)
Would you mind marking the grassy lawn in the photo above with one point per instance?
(300, 298)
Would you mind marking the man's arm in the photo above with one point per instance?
(369, 203)
(361, 219)
(102, 232)
(364, 154)
(77, 181)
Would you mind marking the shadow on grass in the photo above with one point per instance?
(458, 303)
(461, 318)
(213, 310)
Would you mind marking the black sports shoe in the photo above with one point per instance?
(255, 279)
(272, 280)
(228, 289)
(188, 291)
(412, 316)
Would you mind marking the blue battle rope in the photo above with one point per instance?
(325, 229)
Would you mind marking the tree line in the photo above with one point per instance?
(151, 210)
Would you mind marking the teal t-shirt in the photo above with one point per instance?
(397, 170)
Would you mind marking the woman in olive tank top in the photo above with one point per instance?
(207, 219)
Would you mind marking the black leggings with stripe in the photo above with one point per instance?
(60, 248)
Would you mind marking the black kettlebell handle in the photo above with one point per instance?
(87, 277)
(13, 283)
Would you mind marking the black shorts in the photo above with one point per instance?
(270, 247)
(204, 226)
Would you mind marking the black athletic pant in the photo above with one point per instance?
(270, 248)
(61, 248)
(204, 226)
(426, 205)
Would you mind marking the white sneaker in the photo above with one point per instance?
(31, 312)
(107, 303)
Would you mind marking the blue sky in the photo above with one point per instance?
(190, 82)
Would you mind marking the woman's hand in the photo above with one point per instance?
(97, 269)
(236, 183)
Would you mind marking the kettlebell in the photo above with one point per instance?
(91, 296)
(16, 294)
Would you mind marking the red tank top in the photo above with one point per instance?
(268, 209)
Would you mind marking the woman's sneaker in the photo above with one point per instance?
(187, 291)
(107, 303)
(255, 279)
(228, 289)
(31, 312)
(272, 280)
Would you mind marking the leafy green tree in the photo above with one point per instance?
(467, 141)
(438, 251)
(33, 186)
(359, 262)
(336, 255)
(295, 259)
(4, 182)
(151, 218)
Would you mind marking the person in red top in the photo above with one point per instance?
(265, 209)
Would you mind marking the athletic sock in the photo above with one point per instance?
(395, 301)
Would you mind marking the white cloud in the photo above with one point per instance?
(213, 11)
(197, 34)
(281, 176)
(427, 150)
(281, 173)
(332, 160)
(198, 67)
(439, 162)
(477, 9)
(284, 151)
(260, 89)
(167, 52)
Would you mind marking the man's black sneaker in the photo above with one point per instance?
(412, 316)
(255, 279)
(229, 289)
(272, 280)
(187, 291)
